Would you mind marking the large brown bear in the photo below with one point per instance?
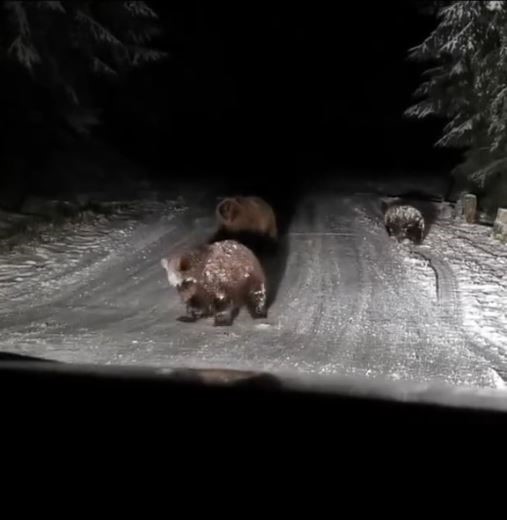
(247, 214)
(216, 280)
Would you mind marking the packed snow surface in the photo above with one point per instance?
(349, 299)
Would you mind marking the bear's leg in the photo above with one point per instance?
(194, 311)
(257, 301)
(225, 311)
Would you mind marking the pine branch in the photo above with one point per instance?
(68, 40)
(140, 55)
(51, 6)
(482, 174)
(495, 5)
(421, 110)
(100, 67)
(25, 52)
(83, 121)
(456, 134)
(139, 9)
(98, 31)
(142, 37)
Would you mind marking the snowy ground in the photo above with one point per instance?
(350, 300)
(479, 263)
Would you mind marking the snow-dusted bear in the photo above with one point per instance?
(217, 280)
(247, 214)
(404, 222)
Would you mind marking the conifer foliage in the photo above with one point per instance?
(60, 44)
(467, 83)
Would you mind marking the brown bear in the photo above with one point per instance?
(247, 214)
(217, 280)
(404, 222)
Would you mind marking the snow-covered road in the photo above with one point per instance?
(349, 299)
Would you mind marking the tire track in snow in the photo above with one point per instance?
(450, 290)
(417, 339)
(346, 304)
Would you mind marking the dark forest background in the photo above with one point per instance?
(268, 89)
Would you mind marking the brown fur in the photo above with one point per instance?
(404, 222)
(250, 214)
(218, 279)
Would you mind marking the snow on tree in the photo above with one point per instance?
(60, 43)
(467, 83)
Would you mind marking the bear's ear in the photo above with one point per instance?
(234, 209)
(228, 209)
(222, 208)
(165, 264)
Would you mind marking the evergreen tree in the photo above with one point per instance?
(62, 44)
(467, 83)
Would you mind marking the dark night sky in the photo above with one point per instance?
(247, 85)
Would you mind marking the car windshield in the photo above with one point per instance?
(287, 190)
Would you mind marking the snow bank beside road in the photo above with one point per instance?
(47, 257)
